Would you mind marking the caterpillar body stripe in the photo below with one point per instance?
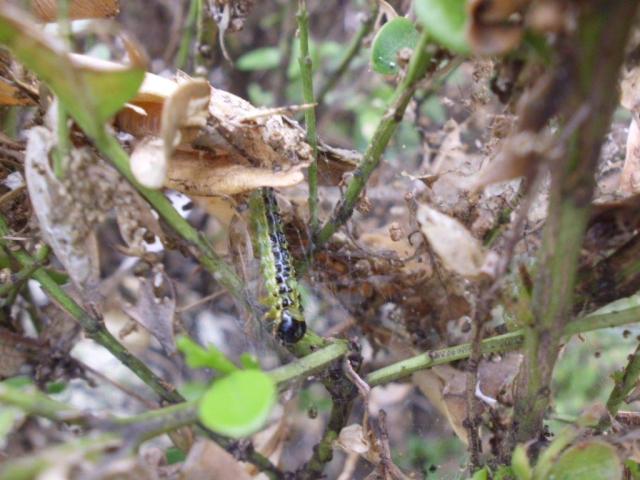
(285, 310)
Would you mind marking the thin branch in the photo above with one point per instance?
(309, 114)
(498, 344)
(310, 364)
(625, 382)
(381, 137)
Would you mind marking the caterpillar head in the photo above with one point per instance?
(291, 327)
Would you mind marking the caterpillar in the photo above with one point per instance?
(283, 298)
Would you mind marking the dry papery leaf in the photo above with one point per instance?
(47, 10)
(630, 89)
(207, 457)
(136, 340)
(630, 176)
(460, 251)
(155, 311)
(445, 387)
(352, 440)
(630, 99)
(15, 350)
(64, 217)
(492, 30)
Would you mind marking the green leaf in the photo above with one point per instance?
(446, 21)
(520, 464)
(395, 35)
(174, 455)
(55, 387)
(587, 460)
(482, 474)
(91, 95)
(264, 58)
(9, 416)
(198, 357)
(238, 405)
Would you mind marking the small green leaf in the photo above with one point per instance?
(586, 461)
(238, 405)
(264, 58)
(446, 22)
(174, 455)
(55, 387)
(395, 35)
(198, 357)
(520, 464)
(482, 474)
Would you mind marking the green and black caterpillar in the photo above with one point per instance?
(285, 310)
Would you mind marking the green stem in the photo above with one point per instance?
(23, 275)
(625, 382)
(311, 363)
(309, 114)
(190, 30)
(498, 344)
(351, 52)
(37, 403)
(381, 137)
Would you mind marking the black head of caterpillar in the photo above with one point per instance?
(291, 327)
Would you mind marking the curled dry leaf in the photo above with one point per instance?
(492, 30)
(206, 457)
(149, 163)
(186, 108)
(445, 387)
(221, 176)
(155, 311)
(460, 251)
(62, 220)
(15, 350)
(47, 10)
(517, 158)
(352, 440)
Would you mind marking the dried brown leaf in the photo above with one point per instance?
(460, 251)
(15, 350)
(207, 457)
(186, 108)
(74, 245)
(491, 30)
(352, 440)
(148, 162)
(220, 176)
(630, 176)
(47, 10)
(155, 311)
